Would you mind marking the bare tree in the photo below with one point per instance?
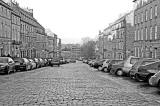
(88, 49)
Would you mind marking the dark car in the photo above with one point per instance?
(22, 64)
(7, 65)
(55, 62)
(145, 72)
(98, 63)
(117, 68)
(135, 67)
(108, 64)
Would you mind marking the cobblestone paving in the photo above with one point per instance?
(70, 85)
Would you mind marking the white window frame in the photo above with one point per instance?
(146, 15)
(151, 13)
(146, 33)
(151, 30)
(142, 34)
(156, 10)
(142, 17)
(135, 35)
(155, 53)
(156, 31)
(135, 51)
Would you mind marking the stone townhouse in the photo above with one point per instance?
(15, 30)
(107, 43)
(5, 28)
(118, 38)
(21, 35)
(147, 28)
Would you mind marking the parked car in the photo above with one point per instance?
(145, 72)
(22, 64)
(45, 62)
(72, 61)
(38, 65)
(55, 62)
(108, 64)
(33, 64)
(7, 65)
(41, 62)
(129, 62)
(155, 79)
(101, 64)
(135, 67)
(92, 62)
(117, 68)
(98, 64)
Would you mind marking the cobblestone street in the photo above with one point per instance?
(74, 85)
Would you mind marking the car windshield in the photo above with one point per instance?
(3, 60)
(134, 60)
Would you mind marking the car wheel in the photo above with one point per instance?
(9, 71)
(99, 68)
(14, 70)
(105, 69)
(137, 78)
(158, 83)
(119, 72)
(148, 77)
(26, 68)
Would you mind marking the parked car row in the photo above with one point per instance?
(8, 64)
(139, 69)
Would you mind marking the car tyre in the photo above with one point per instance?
(105, 69)
(137, 78)
(158, 83)
(99, 68)
(119, 72)
(148, 77)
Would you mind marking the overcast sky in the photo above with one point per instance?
(72, 20)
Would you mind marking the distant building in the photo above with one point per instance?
(71, 51)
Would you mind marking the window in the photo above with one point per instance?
(139, 18)
(138, 35)
(151, 13)
(155, 52)
(135, 17)
(142, 17)
(142, 34)
(146, 15)
(135, 36)
(156, 32)
(150, 33)
(135, 51)
(156, 10)
(146, 33)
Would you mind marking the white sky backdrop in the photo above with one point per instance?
(72, 20)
